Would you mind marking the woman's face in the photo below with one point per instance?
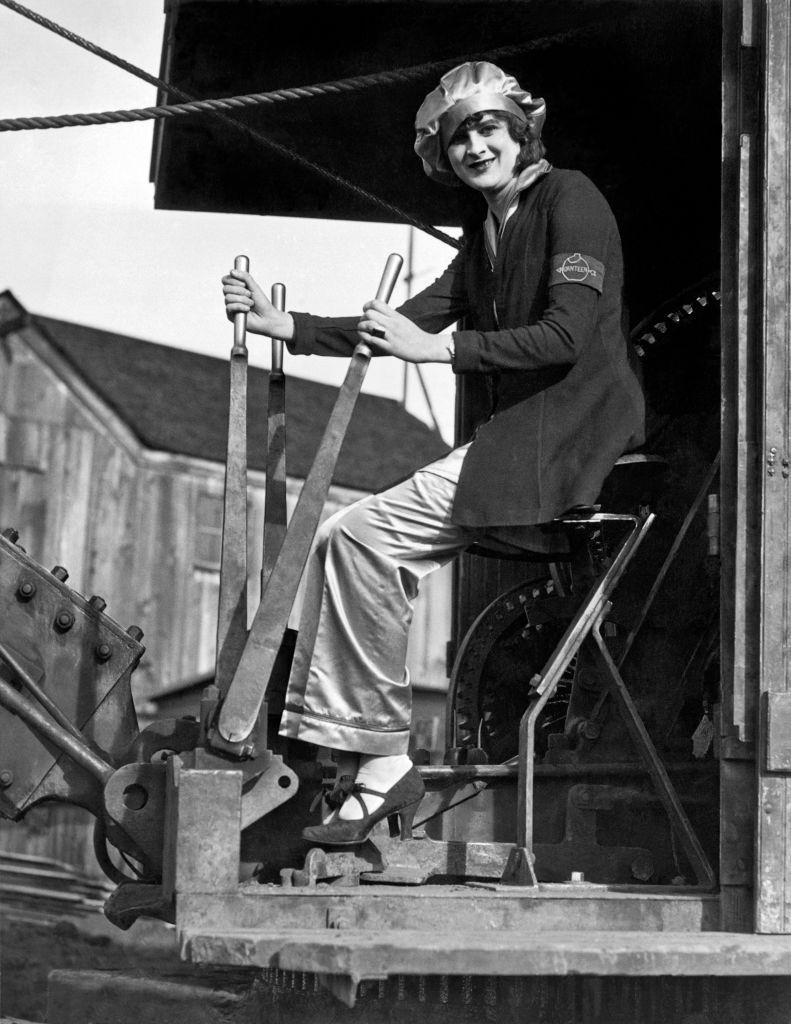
(483, 154)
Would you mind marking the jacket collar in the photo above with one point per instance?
(504, 207)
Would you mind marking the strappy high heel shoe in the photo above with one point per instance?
(399, 807)
(332, 799)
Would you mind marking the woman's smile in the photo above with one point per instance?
(483, 156)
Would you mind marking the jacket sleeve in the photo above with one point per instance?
(433, 309)
(579, 228)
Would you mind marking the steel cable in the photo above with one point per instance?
(216, 107)
(396, 214)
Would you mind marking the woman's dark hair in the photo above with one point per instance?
(532, 149)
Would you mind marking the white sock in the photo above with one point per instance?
(379, 772)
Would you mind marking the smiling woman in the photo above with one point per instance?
(565, 404)
(483, 152)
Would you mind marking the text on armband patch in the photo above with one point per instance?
(576, 268)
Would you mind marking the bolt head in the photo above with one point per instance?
(97, 602)
(64, 620)
(11, 534)
(6, 778)
(60, 573)
(642, 867)
(103, 652)
(26, 589)
(135, 632)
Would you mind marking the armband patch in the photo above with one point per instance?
(575, 268)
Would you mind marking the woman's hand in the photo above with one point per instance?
(244, 295)
(393, 334)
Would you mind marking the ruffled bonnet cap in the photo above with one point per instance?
(468, 89)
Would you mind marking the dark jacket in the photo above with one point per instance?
(546, 322)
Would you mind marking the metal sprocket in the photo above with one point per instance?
(509, 642)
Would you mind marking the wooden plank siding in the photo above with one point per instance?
(123, 519)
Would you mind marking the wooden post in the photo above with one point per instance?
(773, 835)
(740, 477)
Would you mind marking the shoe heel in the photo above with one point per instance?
(401, 822)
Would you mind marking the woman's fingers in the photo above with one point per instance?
(237, 294)
(371, 327)
(373, 335)
(376, 305)
(232, 308)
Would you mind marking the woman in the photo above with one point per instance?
(538, 286)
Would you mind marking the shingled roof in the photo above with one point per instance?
(177, 401)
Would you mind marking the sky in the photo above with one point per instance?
(80, 239)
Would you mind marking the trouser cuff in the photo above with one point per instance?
(325, 732)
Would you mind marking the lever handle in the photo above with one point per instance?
(384, 291)
(389, 277)
(279, 302)
(240, 319)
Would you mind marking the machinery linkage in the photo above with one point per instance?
(187, 803)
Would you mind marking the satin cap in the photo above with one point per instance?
(468, 89)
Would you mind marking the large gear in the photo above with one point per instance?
(509, 642)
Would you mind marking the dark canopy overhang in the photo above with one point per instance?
(632, 88)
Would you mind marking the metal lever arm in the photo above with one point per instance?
(244, 698)
(232, 611)
(52, 731)
(275, 507)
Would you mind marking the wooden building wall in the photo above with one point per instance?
(138, 527)
(142, 529)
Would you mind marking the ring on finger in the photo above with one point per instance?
(377, 332)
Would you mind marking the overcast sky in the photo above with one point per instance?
(81, 240)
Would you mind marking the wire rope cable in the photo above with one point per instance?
(396, 213)
(190, 105)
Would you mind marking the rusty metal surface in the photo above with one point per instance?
(275, 503)
(133, 900)
(269, 790)
(232, 608)
(386, 860)
(472, 908)
(81, 659)
(201, 840)
(135, 799)
(362, 954)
